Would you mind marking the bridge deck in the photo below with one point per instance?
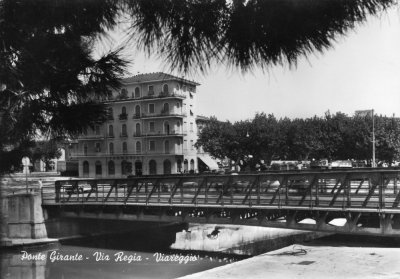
(368, 199)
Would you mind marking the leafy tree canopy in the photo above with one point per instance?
(336, 137)
(243, 33)
(49, 78)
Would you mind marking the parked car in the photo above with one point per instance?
(77, 188)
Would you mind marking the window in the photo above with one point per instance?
(185, 145)
(137, 111)
(185, 165)
(152, 167)
(123, 110)
(184, 88)
(111, 148)
(98, 168)
(165, 88)
(191, 113)
(191, 95)
(191, 145)
(165, 108)
(166, 128)
(152, 145)
(97, 130)
(151, 108)
(124, 132)
(166, 147)
(137, 130)
(191, 126)
(151, 90)
(111, 168)
(124, 147)
(86, 168)
(178, 105)
(151, 127)
(110, 114)
(97, 147)
(124, 93)
(192, 165)
(178, 126)
(126, 167)
(179, 165)
(138, 147)
(167, 167)
(85, 149)
(110, 131)
(137, 92)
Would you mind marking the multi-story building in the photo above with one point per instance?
(151, 129)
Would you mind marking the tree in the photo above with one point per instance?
(49, 76)
(243, 34)
(335, 137)
(45, 151)
(387, 139)
(220, 139)
(266, 137)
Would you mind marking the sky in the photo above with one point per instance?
(361, 71)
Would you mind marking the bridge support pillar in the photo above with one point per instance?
(25, 218)
(386, 221)
(291, 219)
(321, 220)
(4, 241)
(351, 221)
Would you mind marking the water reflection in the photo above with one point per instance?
(71, 261)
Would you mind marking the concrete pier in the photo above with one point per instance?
(21, 215)
(25, 216)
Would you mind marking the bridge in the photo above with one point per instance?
(365, 200)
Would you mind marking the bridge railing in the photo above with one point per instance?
(365, 190)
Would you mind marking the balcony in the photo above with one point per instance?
(123, 135)
(162, 95)
(90, 137)
(111, 135)
(150, 96)
(163, 115)
(160, 134)
(123, 116)
(134, 153)
(137, 116)
(138, 134)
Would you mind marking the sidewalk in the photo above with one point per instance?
(300, 261)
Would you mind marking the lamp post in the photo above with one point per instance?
(373, 140)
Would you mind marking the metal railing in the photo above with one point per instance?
(369, 200)
(337, 190)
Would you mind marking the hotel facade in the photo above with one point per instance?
(151, 129)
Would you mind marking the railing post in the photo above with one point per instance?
(258, 189)
(96, 190)
(348, 189)
(316, 192)
(382, 191)
(116, 190)
(58, 187)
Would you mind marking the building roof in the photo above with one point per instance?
(202, 118)
(158, 76)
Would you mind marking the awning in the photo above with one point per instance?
(210, 162)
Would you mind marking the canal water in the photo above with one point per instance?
(69, 261)
(140, 253)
